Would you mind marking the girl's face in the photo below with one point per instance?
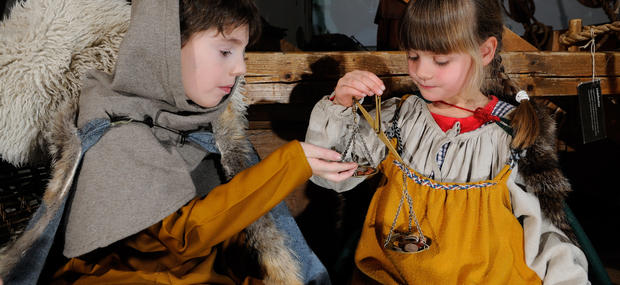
(210, 62)
(439, 76)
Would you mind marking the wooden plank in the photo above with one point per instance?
(286, 93)
(556, 86)
(562, 64)
(316, 66)
(292, 92)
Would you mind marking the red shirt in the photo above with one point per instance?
(468, 123)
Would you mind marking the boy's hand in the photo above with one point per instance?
(325, 163)
(357, 84)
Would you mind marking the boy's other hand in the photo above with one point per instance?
(357, 84)
(325, 163)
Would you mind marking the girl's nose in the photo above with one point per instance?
(423, 75)
(424, 70)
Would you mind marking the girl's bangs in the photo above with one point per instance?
(439, 27)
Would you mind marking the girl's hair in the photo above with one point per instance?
(199, 15)
(447, 26)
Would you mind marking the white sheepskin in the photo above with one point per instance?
(46, 46)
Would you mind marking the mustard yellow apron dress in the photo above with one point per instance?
(473, 236)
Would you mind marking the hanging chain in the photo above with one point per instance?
(408, 242)
(412, 215)
(355, 133)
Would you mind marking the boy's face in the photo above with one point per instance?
(210, 61)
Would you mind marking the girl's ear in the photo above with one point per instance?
(487, 50)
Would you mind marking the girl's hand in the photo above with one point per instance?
(357, 84)
(325, 163)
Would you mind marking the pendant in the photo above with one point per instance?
(364, 171)
(408, 243)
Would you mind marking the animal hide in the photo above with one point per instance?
(46, 46)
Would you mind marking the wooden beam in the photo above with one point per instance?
(562, 64)
(558, 86)
(291, 92)
(285, 93)
(309, 66)
(312, 66)
(288, 77)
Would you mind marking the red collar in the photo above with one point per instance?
(479, 117)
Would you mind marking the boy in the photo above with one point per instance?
(162, 132)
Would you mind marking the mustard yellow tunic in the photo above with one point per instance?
(182, 248)
(476, 239)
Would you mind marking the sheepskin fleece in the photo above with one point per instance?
(46, 47)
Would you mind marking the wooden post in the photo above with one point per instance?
(554, 44)
(574, 27)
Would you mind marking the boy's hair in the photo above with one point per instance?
(447, 26)
(200, 15)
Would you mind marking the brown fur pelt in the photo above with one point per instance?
(278, 263)
(541, 172)
(66, 152)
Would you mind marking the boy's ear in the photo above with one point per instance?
(487, 50)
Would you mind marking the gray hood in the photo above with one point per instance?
(138, 173)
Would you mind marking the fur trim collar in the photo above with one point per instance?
(541, 173)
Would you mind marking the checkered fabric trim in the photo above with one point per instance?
(501, 109)
(515, 155)
(441, 155)
(427, 182)
(393, 131)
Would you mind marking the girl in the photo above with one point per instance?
(457, 205)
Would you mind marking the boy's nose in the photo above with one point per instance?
(239, 68)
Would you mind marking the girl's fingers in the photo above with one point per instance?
(373, 82)
(349, 93)
(359, 85)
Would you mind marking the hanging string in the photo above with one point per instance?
(592, 44)
(479, 113)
